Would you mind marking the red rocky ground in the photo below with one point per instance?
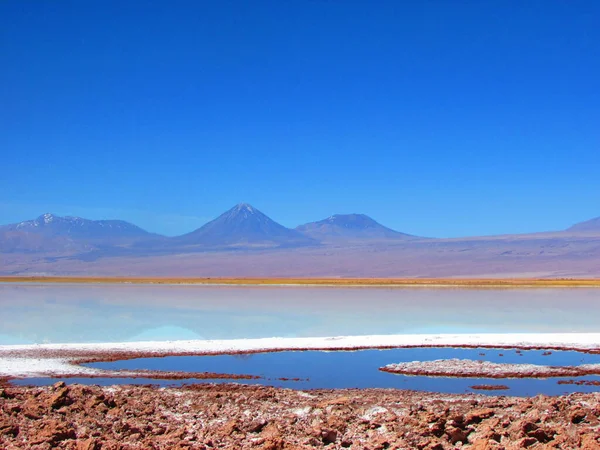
(236, 416)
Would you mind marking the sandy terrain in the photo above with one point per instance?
(537, 256)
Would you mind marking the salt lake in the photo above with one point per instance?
(87, 313)
(102, 313)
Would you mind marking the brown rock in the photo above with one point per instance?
(541, 435)
(328, 436)
(477, 415)
(483, 444)
(434, 446)
(526, 442)
(337, 423)
(230, 427)
(256, 426)
(32, 409)
(456, 435)
(590, 442)
(53, 432)
(9, 429)
(270, 432)
(435, 429)
(257, 417)
(60, 397)
(88, 444)
(577, 416)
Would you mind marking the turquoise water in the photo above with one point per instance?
(34, 313)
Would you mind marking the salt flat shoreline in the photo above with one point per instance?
(234, 416)
(36, 360)
(319, 282)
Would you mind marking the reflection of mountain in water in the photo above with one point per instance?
(166, 333)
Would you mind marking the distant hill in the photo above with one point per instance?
(340, 227)
(587, 226)
(244, 226)
(30, 242)
(343, 245)
(54, 233)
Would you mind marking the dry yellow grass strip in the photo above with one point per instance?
(388, 282)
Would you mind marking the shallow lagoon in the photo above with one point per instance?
(82, 313)
(357, 369)
(89, 313)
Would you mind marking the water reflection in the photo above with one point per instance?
(33, 313)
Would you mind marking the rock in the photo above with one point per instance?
(456, 435)
(541, 435)
(9, 429)
(526, 442)
(328, 436)
(53, 432)
(88, 444)
(482, 444)
(337, 423)
(229, 416)
(590, 442)
(59, 398)
(477, 415)
(229, 428)
(32, 409)
(271, 432)
(256, 426)
(436, 429)
(434, 446)
(577, 416)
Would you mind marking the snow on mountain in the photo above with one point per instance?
(241, 226)
(78, 227)
(52, 233)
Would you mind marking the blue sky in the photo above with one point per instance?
(437, 118)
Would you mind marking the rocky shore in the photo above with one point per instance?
(236, 416)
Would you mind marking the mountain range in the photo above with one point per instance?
(245, 242)
(241, 227)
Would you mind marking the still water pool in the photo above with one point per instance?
(358, 369)
(38, 313)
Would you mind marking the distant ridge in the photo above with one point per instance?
(350, 227)
(591, 225)
(244, 226)
(50, 232)
(78, 227)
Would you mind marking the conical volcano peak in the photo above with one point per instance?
(243, 211)
(244, 207)
(244, 225)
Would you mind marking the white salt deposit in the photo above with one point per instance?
(39, 359)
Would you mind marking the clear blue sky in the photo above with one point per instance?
(438, 118)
